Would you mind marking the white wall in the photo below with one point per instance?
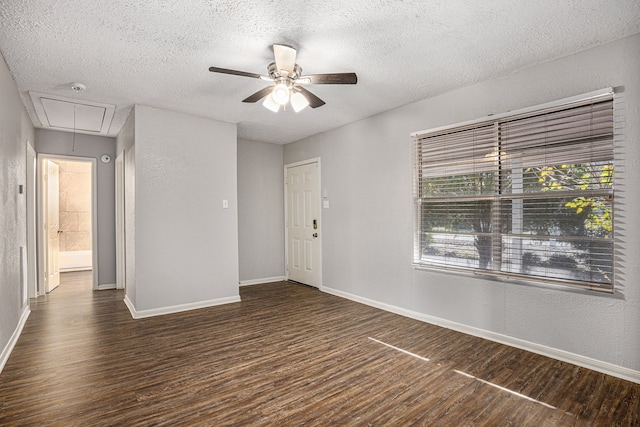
(15, 129)
(186, 244)
(367, 244)
(64, 143)
(260, 210)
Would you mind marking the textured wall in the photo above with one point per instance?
(15, 129)
(367, 245)
(63, 143)
(186, 244)
(260, 210)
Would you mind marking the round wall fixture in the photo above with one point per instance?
(105, 158)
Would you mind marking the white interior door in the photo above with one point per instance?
(52, 224)
(303, 224)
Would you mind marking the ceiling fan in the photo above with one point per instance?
(289, 82)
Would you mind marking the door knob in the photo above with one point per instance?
(315, 235)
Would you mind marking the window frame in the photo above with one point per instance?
(499, 120)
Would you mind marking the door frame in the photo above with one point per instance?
(32, 227)
(120, 226)
(41, 237)
(316, 161)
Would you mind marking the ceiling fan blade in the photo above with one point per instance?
(259, 94)
(332, 79)
(314, 101)
(234, 72)
(285, 59)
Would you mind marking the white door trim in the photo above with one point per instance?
(40, 232)
(32, 255)
(314, 160)
(42, 157)
(120, 228)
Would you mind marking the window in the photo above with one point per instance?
(527, 195)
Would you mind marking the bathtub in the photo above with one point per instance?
(75, 261)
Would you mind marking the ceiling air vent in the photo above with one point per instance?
(72, 115)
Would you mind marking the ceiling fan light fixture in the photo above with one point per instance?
(270, 104)
(287, 80)
(280, 94)
(299, 102)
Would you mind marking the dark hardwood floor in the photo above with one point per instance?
(287, 355)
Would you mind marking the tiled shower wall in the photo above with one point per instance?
(75, 206)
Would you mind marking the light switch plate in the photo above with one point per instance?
(225, 204)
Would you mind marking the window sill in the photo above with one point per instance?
(519, 280)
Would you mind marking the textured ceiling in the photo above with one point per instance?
(158, 52)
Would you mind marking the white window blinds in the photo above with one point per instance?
(526, 195)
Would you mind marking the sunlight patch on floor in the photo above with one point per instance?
(400, 349)
(467, 375)
(504, 389)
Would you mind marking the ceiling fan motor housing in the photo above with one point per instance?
(273, 72)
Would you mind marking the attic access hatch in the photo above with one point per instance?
(72, 115)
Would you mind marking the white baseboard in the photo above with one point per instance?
(554, 353)
(130, 306)
(72, 269)
(261, 281)
(107, 286)
(6, 352)
(140, 314)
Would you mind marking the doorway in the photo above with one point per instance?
(303, 231)
(67, 219)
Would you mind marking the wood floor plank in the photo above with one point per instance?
(285, 355)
